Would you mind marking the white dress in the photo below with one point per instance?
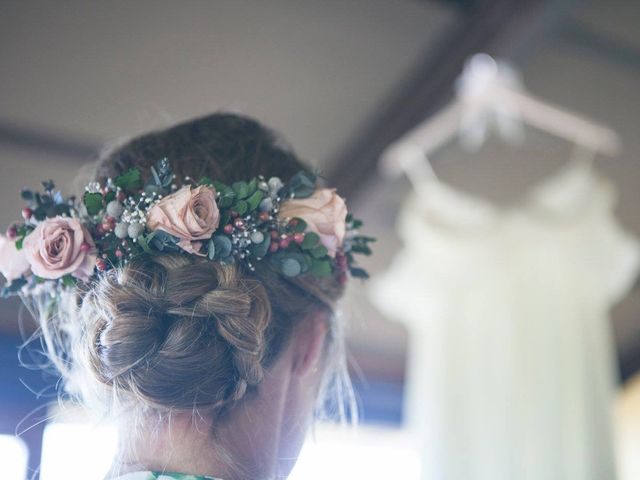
(511, 366)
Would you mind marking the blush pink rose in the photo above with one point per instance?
(325, 213)
(190, 214)
(55, 249)
(13, 263)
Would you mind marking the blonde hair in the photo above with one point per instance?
(180, 332)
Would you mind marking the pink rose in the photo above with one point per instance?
(325, 213)
(13, 263)
(189, 214)
(59, 246)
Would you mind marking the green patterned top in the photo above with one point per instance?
(163, 476)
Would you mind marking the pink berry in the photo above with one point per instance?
(274, 235)
(27, 213)
(228, 229)
(298, 238)
(101, 264)
(119, 253)
(284, 243)
(85, 247)
(273, 247)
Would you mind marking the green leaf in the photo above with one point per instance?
(93, 202)
(68, 281)
(254, 200)
(111, 195)
(26, 194)
(311, 239)
(18, 243)
(144, 242)
(226, 199)
(252, 186)
(241, 207)
(129, 181)
(319, 251)
(358, 272)
(206, 181)
(320, 268)
(301, 226)
(356, 248)
(241, 189)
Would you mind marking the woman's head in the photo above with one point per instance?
(177, 333)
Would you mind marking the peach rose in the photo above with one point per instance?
(59, 246)
(13, 263)
(190, 214)
(325, 213)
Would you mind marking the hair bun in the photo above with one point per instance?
(177, 331)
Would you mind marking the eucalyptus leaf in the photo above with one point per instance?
(261, 249)
(13, 288)
(211, 252)
(222, 245)
(290, 267)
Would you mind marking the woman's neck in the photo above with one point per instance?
(245, 444)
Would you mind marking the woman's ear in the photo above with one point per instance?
(308, 343)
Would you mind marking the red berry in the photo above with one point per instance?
(284, 243)
(85, 247)
(228, 229)
(264, 216)
(27, 213)
(106, 226)
(273, 247)
(12, 232)
(101, 264)
(119, 253)
(298, 238)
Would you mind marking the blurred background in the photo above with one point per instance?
(342, 80)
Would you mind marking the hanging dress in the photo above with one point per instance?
(511, 371)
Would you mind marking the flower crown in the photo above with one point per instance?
(293, 228)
